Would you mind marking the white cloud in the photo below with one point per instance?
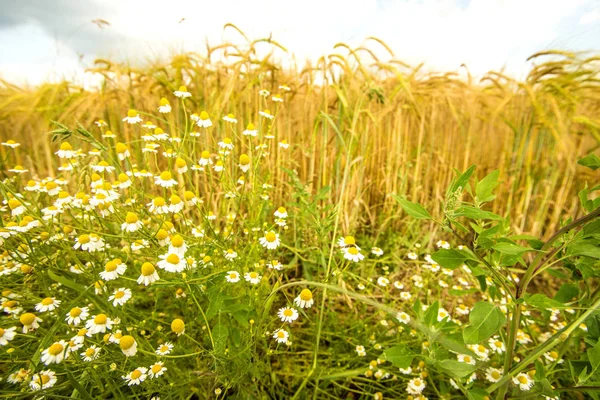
(484, 34)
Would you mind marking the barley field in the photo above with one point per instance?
(223, 226)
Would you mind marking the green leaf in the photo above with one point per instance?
(594, 358)
(476, 213)
(219, 334)
(591, 161)
(450, 258)
(484, 320)
(542, 301)
(485, 188)
(431, 314)
(457, 368)
(566, 293)
(413, 209)
(587, 248)
(400, 356)
(477, 394)
(462, 180)
(510, 248)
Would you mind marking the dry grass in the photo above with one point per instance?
(400, 130)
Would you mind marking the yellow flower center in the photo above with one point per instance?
(271, 236)
(467, 359)
(498, 343)
(306, 294)
(353, 251)
(100, 319)
(281, 210)
(250, 127)
(136, 374)
(227, 141)
(180, 163)
(253, 275)
(175, 199)
(126, 342)
(553, 354)
(165, 176)
(205, 154)
(182, 89)
(90, 352)
(131, 218)
(27, 319)
(281, 334)
(14, 203)
(119, 294)
(288, 312)
(121, 148)
(147, 269)
(173, 259)
(177, 241)
(417, 382)
(233, 275)
(47, 301)
(159, 201)
(82, 332)
(45, 379)
(66, 146)
(156, 368)
(1, 332)
(161, 234)
(349, 241)
(230, 251)
(496, 375)
(177, 325)
(111, 266)
(132, 113)
(55, 349)
(164, 102)
(164, 348)
(187, 195)
(75, 312)
(206, 259)
(204, 115)
(522, 379)
(481, 348)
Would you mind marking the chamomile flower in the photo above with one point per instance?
(128, 345)
(264, 92)
(16, 207)
(465, 358)
(266, 113)
(230, 118)
(552, 356)
(461, 309)
(164, 106)
(497, 345)
(252, 277)
(182, 92)
(120, 296)
(442, 314)
(219, 166)
(165, 179)
(77, 315)
(158, 206)
(416, 386)
(171, 262)
(103, 166)
(377, 251)
(204, 120)
(6, 335)
(55, 353)
(230, 254)
(250, 130)
(523, 381)
(164, 349)
(352, 254)
(403, 317)
(304, 299)
(47, 304)
(132, 223)
(232, 276)
(99, 324)
(122, 151)
(442, 244)
(136, 376)
(270, 240)
(360, 351)
(43, 380)
(493, 375)
(157, 369)
(383, 281)
(244, 163)
(91, 353)
(281, 212)
(132, 117)
(284, 144)
(287, 314)
(66, 151)
(281, 335)
(178, 326)
(113, 269)
(30, 322)
(347, 241)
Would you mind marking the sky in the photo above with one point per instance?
(44, 40)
